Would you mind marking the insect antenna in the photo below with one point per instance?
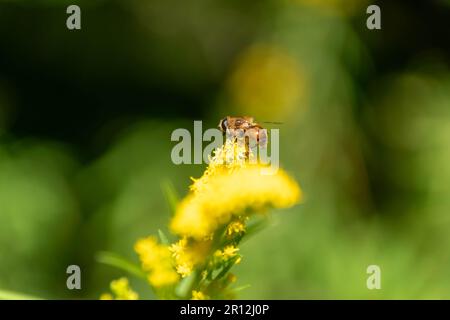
(272, 122)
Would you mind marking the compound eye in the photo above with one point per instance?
(238, 122)
(224, 124)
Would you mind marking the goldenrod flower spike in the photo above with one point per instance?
(157, 262)
(228, 190)
(210, 222)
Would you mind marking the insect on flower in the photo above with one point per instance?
(210, 221)
(238, 127)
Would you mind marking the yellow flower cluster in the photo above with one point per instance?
(187, 254)
(198, 295)
(235, 227)
(228, 190)
(156, 259)
(222, 199)
(232, 155)
(121, 290)
(228, 252)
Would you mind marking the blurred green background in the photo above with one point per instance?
(86, 118)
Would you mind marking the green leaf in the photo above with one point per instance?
(10, 295)
(185, 286)
(119, 262)
(163, 237)
(227, 267)
(171, 195)
(241, 288)
(255, 226)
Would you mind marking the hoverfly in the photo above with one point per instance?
(237, 127)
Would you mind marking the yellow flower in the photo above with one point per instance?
(188, 254)
(235, 227)
(231, 155)
(157, 261)
(178, 248)
(162, 276)
(121, 290)
(229, 190)
(184, 269)
(106, 296)
(198, 295)
(229, 251)
(150, 252)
